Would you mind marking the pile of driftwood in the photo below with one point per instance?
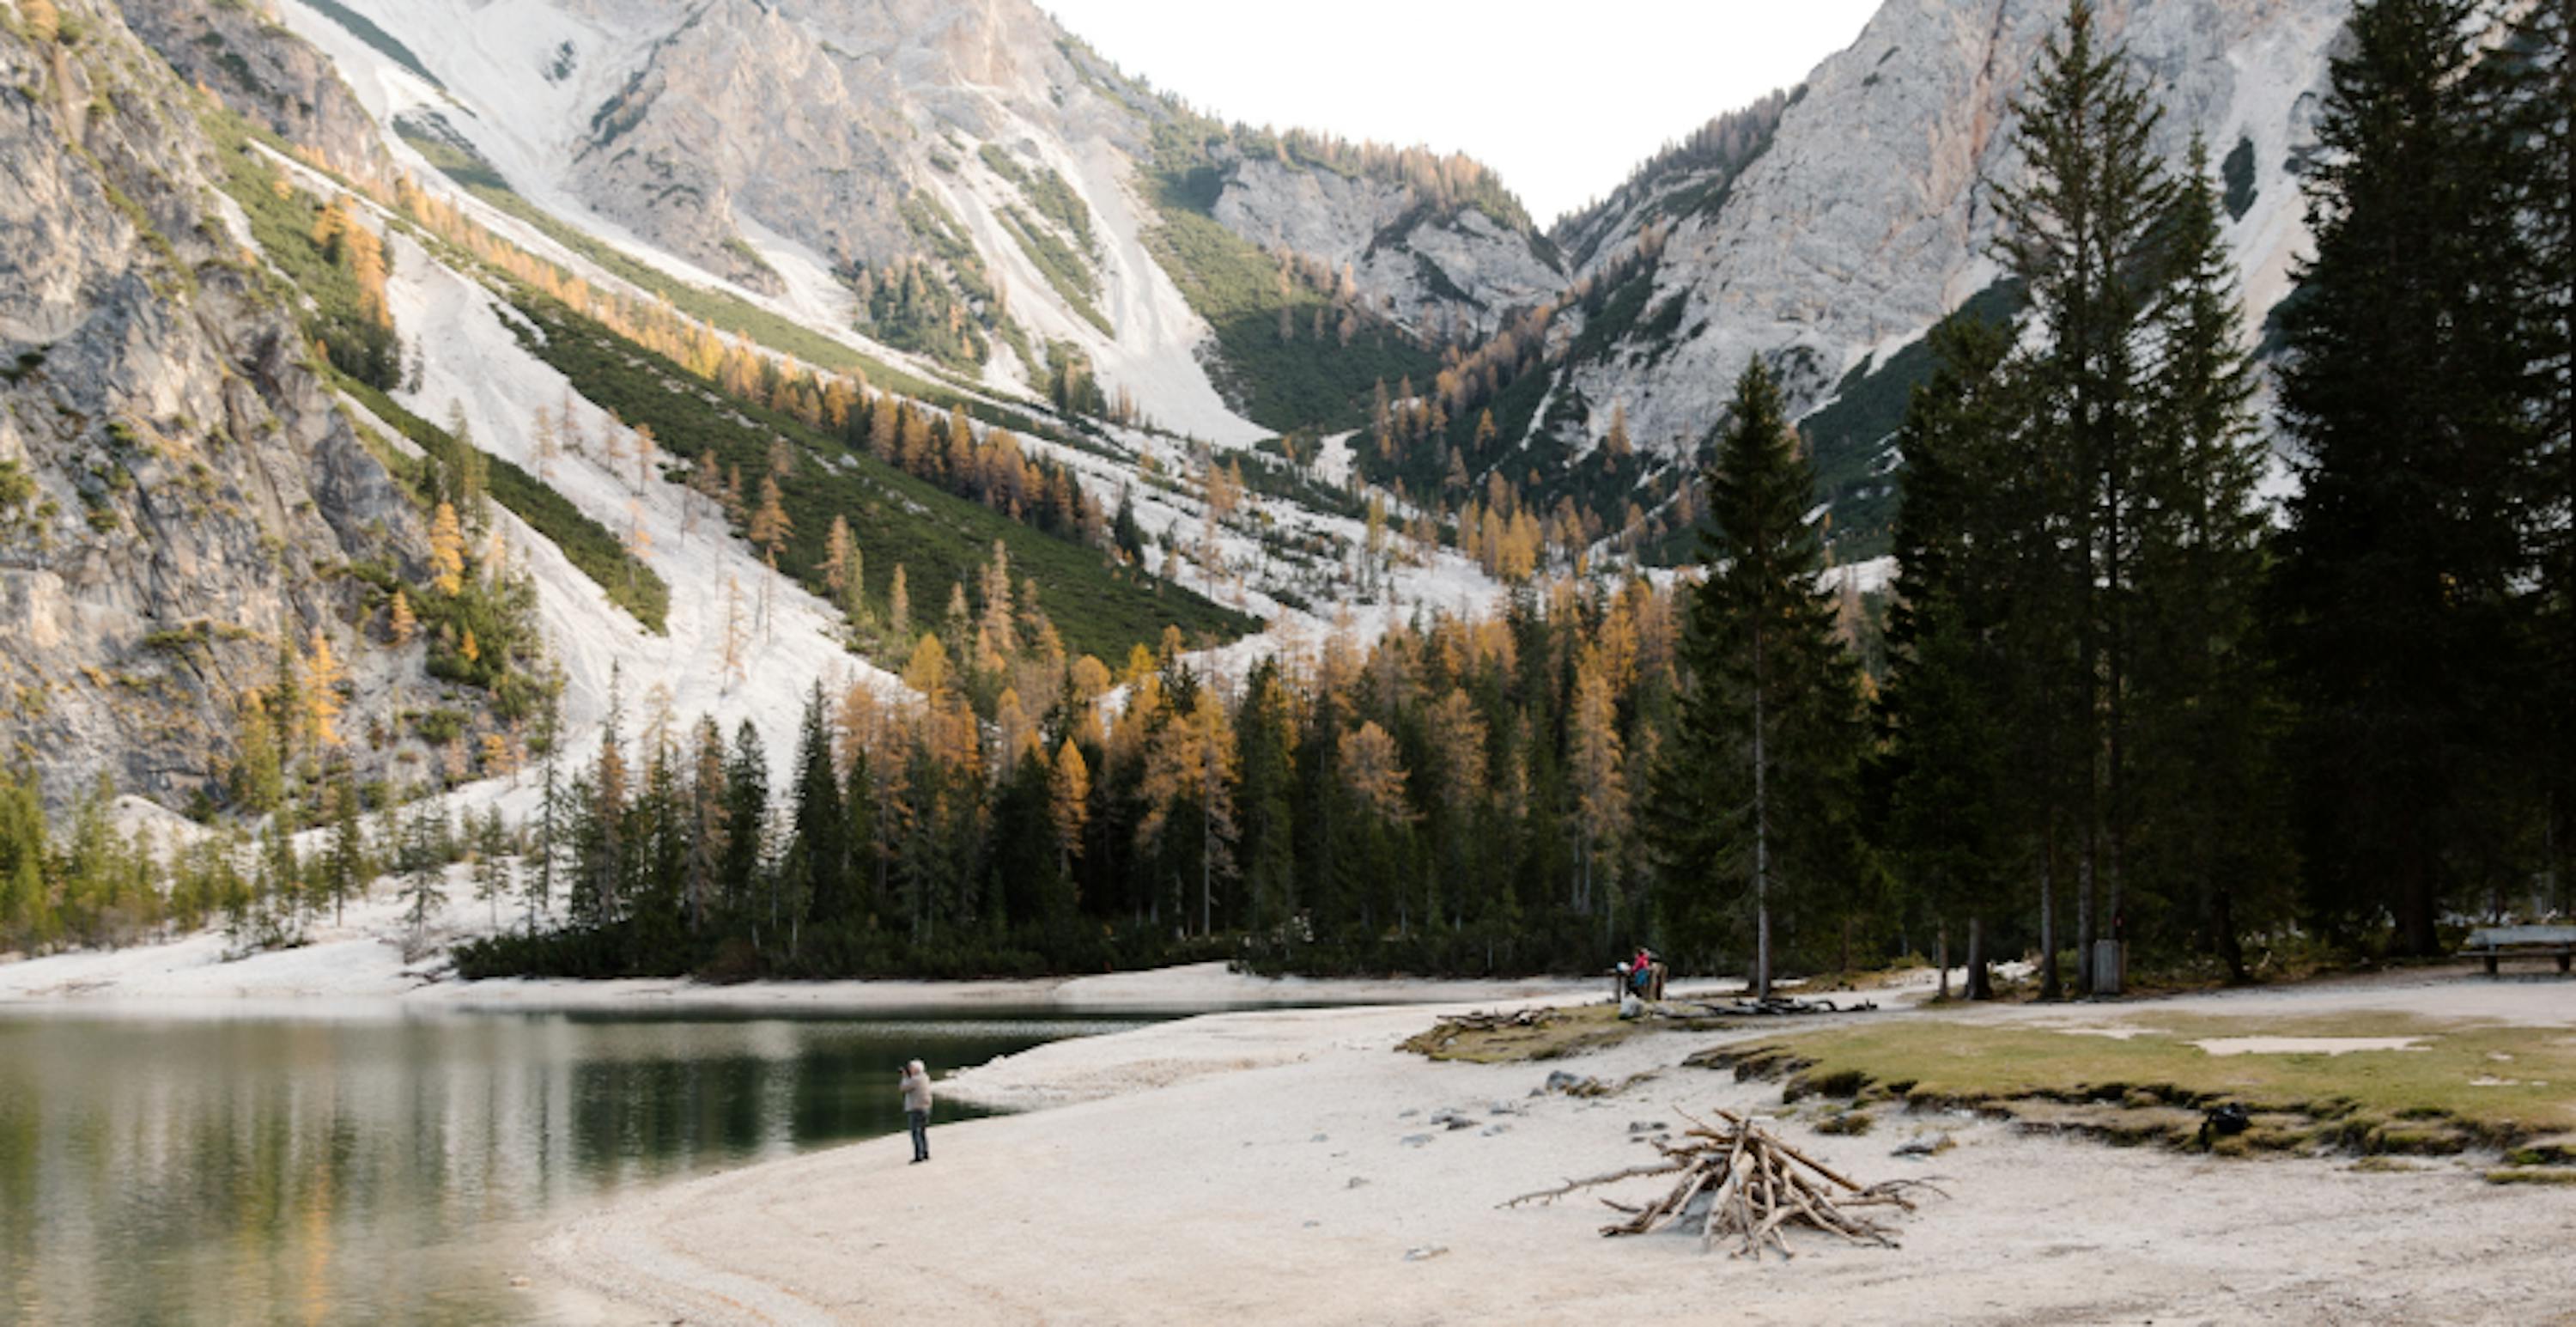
(1491, 1019)
(1773, 1007)
(1743, 1184)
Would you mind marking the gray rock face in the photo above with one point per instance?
(1867, 219)
(194, 490)
(1458, 271)
(851, 126)
(263, 71)
(817, 119)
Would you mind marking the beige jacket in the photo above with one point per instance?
(916, 1091)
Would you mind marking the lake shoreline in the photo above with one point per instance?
(1289, 1165)
(180, 979)
(358, 962)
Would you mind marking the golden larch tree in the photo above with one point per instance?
(400, 622)
(446, 551)
(321, 690)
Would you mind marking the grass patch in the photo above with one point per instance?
(1846, 1123)
(2468, 1086)
(1552, 1034)
(2518, 1176)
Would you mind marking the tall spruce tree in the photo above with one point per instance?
(2208, 720)
(1966, 744)
(819, 852)
(746, 816)
(2397, 575)
(1755, 797)
(2532, 86)
(706, 828)
(2082, 234)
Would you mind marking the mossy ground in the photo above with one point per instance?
(2462, 1086)
(1555, 1034)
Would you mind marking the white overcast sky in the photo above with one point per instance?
(1561, 98)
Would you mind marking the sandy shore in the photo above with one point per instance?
(1282, 1167)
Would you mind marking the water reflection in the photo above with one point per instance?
(258, 1170)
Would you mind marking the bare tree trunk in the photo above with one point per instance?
(1979, 984)
(2084, 921)
(1761, 835)
(1941, 954)
(2048, 986)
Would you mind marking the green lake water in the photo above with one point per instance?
(395, 1166)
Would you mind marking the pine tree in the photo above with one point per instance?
(2397, 580)
(344, 867)
(601, 854)
(1124, 531)
(540, 884)
(2083, 235)
(25, 911)
(2206, 717)
(746, 820)
(424, 868)
(708, 831)
(1755, 796)
(819, 852)
(1957, 779)
(491, 862)
(2532, 89)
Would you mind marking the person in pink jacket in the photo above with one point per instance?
(916, 1109)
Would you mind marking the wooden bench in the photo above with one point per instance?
(2493, 943)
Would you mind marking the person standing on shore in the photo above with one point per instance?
(916, 1109)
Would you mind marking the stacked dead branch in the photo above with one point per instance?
(1491, 1019)
(1774, 1007)
(1741, 1184)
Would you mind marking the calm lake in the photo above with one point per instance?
(394, 1165)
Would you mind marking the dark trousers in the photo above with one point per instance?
(920, 1120)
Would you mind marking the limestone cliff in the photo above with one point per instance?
(263, 71)
(186, 493)
(1866, 217)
